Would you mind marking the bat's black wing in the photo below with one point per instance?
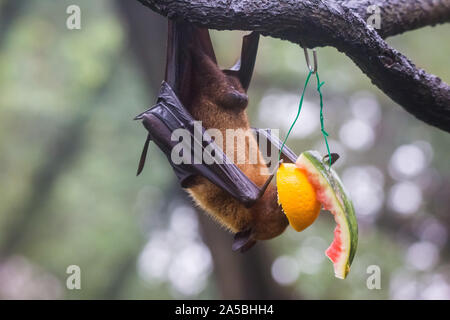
(243, 69)
(169, 115)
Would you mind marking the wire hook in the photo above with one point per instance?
(308, 64)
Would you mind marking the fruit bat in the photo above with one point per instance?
(239, 196)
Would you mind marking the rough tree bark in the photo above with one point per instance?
(340, 24)
(401, 16)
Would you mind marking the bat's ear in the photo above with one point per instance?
(243, 241)
(243, 69)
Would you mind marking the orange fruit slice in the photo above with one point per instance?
(297, 196)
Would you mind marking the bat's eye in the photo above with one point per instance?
(234, 99)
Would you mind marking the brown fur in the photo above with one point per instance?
(219, 101)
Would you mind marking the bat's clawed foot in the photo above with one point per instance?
(334, 158)
(243, 241)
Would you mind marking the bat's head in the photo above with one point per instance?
(233, 96)
(210, 83)
(269, 221)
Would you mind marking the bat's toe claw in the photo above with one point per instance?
(243, 241)
(334, 158)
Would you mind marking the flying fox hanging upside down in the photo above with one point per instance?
(239, 195)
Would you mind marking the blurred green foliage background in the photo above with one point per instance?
(69, 151)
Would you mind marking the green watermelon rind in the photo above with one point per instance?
(345, 210)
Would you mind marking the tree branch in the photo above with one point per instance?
(339, 24)
(424, 95)
(397, 16)
(400, 16)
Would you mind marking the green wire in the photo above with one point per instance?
(325, 134)
(298, 114)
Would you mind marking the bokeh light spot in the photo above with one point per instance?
(407, 161)
(285, 270)
(365, 184)
(405, 197)
(357, 135)
(422, 255)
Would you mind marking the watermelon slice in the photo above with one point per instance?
(331, 194)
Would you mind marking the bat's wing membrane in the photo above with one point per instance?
(243, 69)
(169, 115)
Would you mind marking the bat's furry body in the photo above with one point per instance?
(221, 104)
